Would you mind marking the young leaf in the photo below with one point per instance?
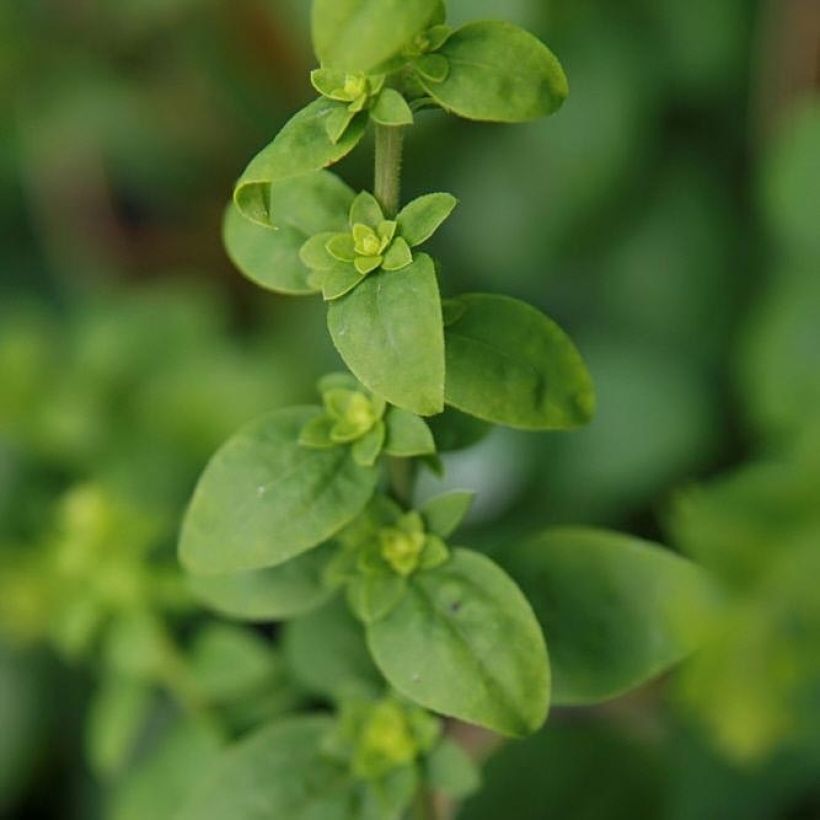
(407, 435)
(509, 364)
(276, 594)
(389, 332)
(302, 146)
(279, 771)
(498, 73)
(615, 608)
(443, 514)
(464, 642)
(327, 655)
(422, 217)
(264, 498)
(357, 35)
(391, 109)
(301, 208)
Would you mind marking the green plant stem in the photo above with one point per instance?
(387, 188)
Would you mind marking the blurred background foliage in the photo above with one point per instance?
(669, 217)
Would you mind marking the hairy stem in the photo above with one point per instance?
(389, 144)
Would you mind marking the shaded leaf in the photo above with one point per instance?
(509, 364)
(618, 610)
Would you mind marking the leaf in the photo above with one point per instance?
(264, 499)
(464, 642)
(398, 255)
(117, 717)
(302, 207)
(615, 608)
(357, 35)
(454, 430)
(277, 772)
(509, 364)
(499, 73)
(391, 109)
(301, 147)
(450, 771)
(407, 435)
(422, 217)
(165, 777)
(368, 448)
(389, 333)
(230, 663)
(276, 594)
(327, 655)
(444, 514)
(373, 596)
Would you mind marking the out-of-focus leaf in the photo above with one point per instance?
(617, 610)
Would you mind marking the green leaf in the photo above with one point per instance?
(464, 642)
(616, 608)
(301, 207)
(391, 109)
(166, 776)
(358, 35)
(509, 364)
(231, 663)
(117, 717)
(407, 435)
(422, 217)
(454, 430)
(398, 255)
(327, 655)
(389, 332)
(286, 591)
(499, 73)
(444, 514)
(264, 498)
(277, 772)
(267, 257)
(373, 596)
(368, 448)
(302, 146)
(365, 210)
(339, 281)
(450, 770)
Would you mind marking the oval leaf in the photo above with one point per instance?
(278, 772)
(389, 332)
(275, 594)
(464, 642)
(615, 609)
(302, 146)
(264, 499)
(301, 208)
(509, 364)
(357, 35)
(499, 73)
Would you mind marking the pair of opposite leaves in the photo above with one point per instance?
(496, 72)
(497, 358)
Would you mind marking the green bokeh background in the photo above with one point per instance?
(668, 217)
